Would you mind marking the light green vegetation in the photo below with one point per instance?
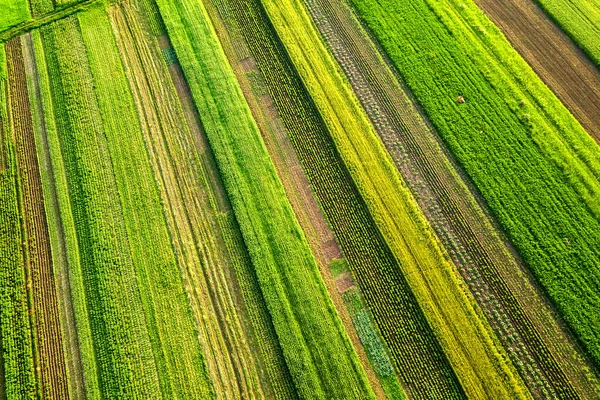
(580, 19)
(62, 234)
(467, 340)
(13, 12)
(316, 347)
(533, 163)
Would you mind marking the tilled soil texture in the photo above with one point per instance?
(516, 309)
(562, 65)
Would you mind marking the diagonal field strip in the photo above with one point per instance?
(45, 20)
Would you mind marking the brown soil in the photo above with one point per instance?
(344, 282)
(320, 237)
(562, 65)
(50, 360)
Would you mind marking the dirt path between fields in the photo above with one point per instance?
(562, 65)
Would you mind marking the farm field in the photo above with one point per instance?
(299, 199)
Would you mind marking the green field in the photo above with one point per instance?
(580, 20)
(533, 163)
(231, 199)
(13, 13)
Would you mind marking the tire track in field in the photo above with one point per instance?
(561, 64)
(49, 356)
(520, 316)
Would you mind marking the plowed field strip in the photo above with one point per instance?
(50, 360)
(562, 65)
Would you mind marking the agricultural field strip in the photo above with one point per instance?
(483, 258)
(49, 356)
(414, 349)
(552, 54)
(500, 136)
(74, 368)
(64, 238)
(45, 20)
(18, 376)
(580, 20)
(181, 177)
(122, 347)
(316, 347)
(480, 366)
(287, 165)
(176, 350)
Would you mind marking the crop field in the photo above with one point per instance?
(299, 199)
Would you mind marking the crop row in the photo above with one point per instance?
(49, 360)
(532, 162)
(316, 347)
(15, 329)
(121, 357)
(176, 349)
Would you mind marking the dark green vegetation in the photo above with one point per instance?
(212, 199)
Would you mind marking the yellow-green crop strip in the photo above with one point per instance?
(319, 354)
(470, 346)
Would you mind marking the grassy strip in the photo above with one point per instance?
(317, 349)
(14, 12)
(18, 378)
(176, 348)
(121, 341)
(580, 19)
(533, 163)
(47, 18)
(467, 340)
